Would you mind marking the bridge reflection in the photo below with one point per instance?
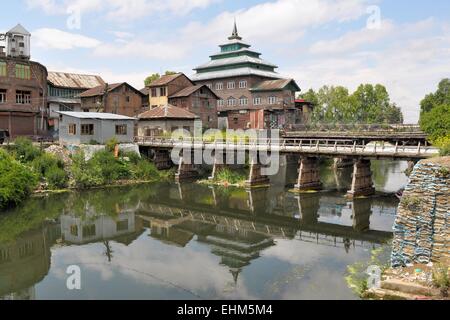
(237, 225)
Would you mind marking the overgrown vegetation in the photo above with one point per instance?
(411, 203)
(17, 181)
(230, 177)
(441, 278)
(435, 116)
(26, 167)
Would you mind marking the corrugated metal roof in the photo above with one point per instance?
(167, 112)
(19, 29)
(74, 81)
(100, 90)
(186, 92)
(95, 115)
(271, 85)
(234, 73)
(166, 79)
(235, 60)
(235, 51)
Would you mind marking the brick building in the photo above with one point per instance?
(178, 90)
(63, 94)
(252, 94)
(119, 98)
(23, 87)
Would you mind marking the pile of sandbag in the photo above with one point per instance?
(421, 233)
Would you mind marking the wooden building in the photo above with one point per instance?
(252, 94)
(163, 120)
(118, 98)
(178, 90)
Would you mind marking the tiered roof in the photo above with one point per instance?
(235, 59)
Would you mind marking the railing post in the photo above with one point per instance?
(418, 149)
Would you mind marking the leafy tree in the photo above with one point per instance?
(368, 104)
(156, 76)
(440, 97)
(24, 150)
(436, 122)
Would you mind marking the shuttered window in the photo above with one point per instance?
(23, 72)
(3, 69)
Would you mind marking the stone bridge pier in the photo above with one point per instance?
(187, 171)
(362, 184)
(308, 175)
(256, 178)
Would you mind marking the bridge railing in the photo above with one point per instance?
(313, 146)
(379, 128)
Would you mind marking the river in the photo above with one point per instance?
(169, 241)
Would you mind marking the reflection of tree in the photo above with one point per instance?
(108, 251)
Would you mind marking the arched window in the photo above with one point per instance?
(231, 102)
(243, 101)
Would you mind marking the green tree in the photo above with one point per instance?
(156, 76)
(436, 122)
(440, 97)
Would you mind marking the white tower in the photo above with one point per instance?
(18, 43)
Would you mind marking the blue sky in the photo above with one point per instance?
(402, 44)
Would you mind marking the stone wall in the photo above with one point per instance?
(421, 230)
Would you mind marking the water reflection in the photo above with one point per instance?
(169, 241)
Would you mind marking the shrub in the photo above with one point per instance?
(111, 144)
(56, 177)
(111, 169)
(84, 174)
(228, 176)
(16, 181)
(441, 278)
(443, 143)
(43, 163)
(133, 157)
(24, 150)
(145, 170)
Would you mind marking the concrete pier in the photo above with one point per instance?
(255, 177)
(362, 184)
(308, 175)
(186, 171)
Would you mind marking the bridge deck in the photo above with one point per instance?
(330, 148)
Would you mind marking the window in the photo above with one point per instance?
(74, 230)
(23, 97)
(2, 95)
(236, 120)
(273, 100)
(127, 98)
(87, 129)
(3, 69)
(121, 130)
(220, 103)
(219, 86)
(209, 85)
(23, 72)
(72, 129)
(231, 85)
(163, 91)
(257, 101)
(122, 225)
(243, 101)
(231, 101)
(89, 231)
(242, 84)
(154, 94)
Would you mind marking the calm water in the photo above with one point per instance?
(169, 241)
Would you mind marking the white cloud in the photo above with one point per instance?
(118, 9)
(58, 39)
(409, 60)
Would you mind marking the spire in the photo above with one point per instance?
(235, 34)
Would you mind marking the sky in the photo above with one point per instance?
(402, 44)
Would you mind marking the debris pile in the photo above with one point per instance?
(60, 152)
(421, 231)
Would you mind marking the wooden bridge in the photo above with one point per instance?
(309, 150)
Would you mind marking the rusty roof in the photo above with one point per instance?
(167, 112)
(186, 92)
(166, 79)
(274, 85)
(74, 81)
(100, 90)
